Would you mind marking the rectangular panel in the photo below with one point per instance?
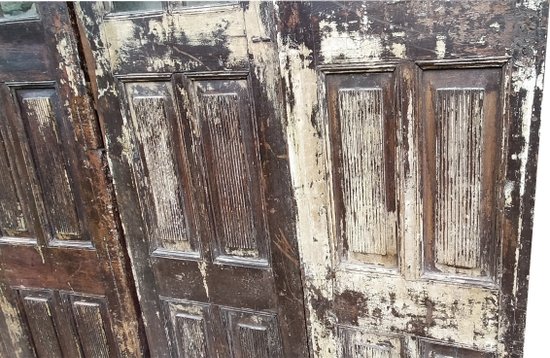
(38, 311)
(362, 124)
(44, 131)
(230, 149)
(12, 219)
(188, 328)
(91, 328)
(252, 334)
(462, 130)
(166, 195)
(429, 349)
(459, 116)
(356, 343)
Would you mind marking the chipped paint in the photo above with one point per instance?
(176, 41)
(408, 301)
(440, 46)
(337, 45)
(399, 50)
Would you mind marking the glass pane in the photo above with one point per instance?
(136, 6)
(13, 10)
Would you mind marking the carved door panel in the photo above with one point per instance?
(65, 287)
(189, 98)
(413, 129)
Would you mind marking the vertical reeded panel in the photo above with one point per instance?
(252, 334)
(355, 343)
(161, 170)
(91, 329)
(38, 310)
(462, 171)
(360, 351)
(191, 337)
(167, 222)
(433, 350)
(230, 156)
(188, 327)
(12, 219)
(253, 340)
(221, 114)
(43, 130)
(459, 123)
(362, 126)
(368, 227)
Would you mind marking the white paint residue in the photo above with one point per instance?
(495, 25)
(440, 46)
(66, 52)
(399, 50)
(202, 269)
(349, 44)
(532, 4)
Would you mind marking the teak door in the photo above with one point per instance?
(190, 101)
(413, 129)
(65, 285)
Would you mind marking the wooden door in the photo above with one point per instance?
(189, 99)
(65, 286)
(413, 130)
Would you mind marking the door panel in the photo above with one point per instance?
(412, 130)
(65, 289)
(193, 121)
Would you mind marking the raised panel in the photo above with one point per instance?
(12, 218)
(162, 174)
(356, 343)
(39, 315)
(188, 327)
(91, 328)
(362, 138)
(252, 334)
(430, 349)
(459, 116)
(462, 140)
(229, 140)
(44, 131)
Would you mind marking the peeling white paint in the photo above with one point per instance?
(349, 44)
(440, 46)
(399, 50)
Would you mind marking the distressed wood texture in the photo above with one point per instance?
(413, 132)
(58, 225)
(194, 129)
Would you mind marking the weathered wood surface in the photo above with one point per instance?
(454, 170)
(327, 179)
(59, 236)
(192, 109)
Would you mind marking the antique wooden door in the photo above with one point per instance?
(413, 130)
(65, 286)
(190, 102)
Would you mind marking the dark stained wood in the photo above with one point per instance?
(59, 235)
(194, 126)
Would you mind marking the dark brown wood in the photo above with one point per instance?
(194, 125)
(63, 264)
